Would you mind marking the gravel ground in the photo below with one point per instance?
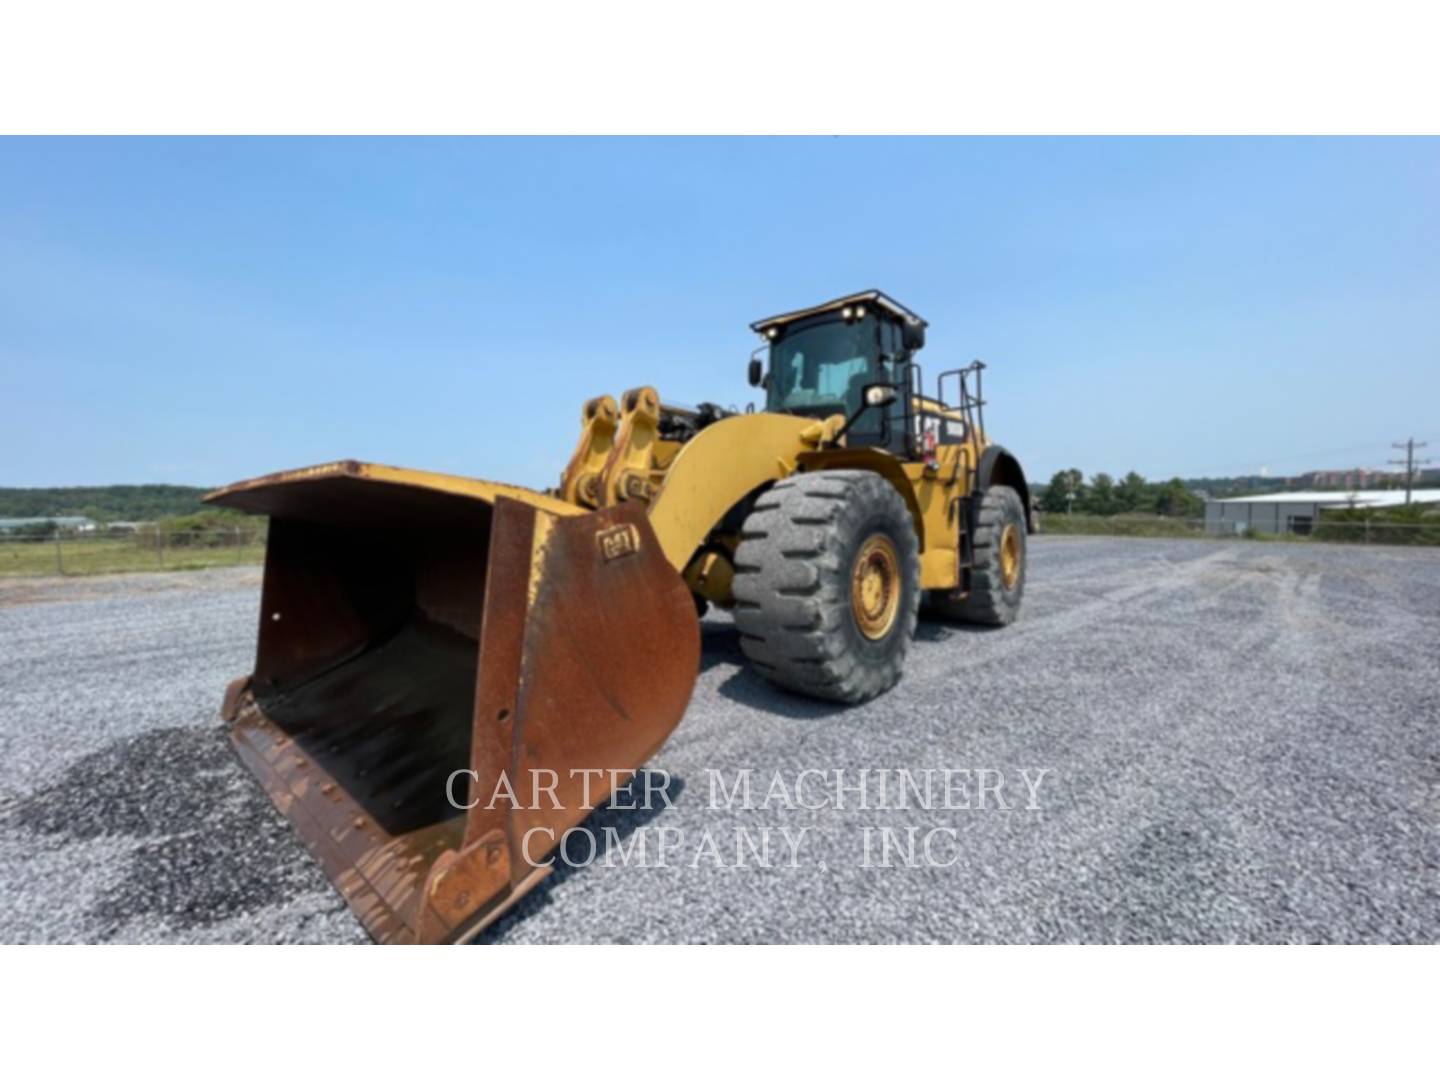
(1241, 744)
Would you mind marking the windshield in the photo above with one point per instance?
(823, 368)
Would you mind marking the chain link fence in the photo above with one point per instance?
(146, 548)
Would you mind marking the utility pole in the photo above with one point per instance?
(1409, 446)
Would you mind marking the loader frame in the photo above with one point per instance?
(420, 631)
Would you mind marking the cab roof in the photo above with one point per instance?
(872, 296)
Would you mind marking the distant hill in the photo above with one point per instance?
(117, 502)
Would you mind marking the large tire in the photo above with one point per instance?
(997, 581)
(827, 584)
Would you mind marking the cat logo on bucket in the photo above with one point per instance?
(620, 541)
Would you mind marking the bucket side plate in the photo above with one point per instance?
(588, 650)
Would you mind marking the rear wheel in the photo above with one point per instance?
(997, 582)
(827, 584)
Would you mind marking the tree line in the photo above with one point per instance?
(116, 502)
(1070, 492)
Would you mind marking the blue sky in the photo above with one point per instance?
(201, 310)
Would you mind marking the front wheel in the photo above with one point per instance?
(827, 584)
(997, 580)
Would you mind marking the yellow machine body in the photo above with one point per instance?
(688, 488)
(452, 672)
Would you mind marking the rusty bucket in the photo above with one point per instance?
(450, 674)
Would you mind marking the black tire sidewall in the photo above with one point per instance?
(1012, 514)
(989, 603)
(882, 519)
(794, 604)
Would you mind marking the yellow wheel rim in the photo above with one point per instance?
(875, 587)
(1010, 556)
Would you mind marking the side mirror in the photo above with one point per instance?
(878, 395)
(875, 396)
(757, 371)
(912, 336)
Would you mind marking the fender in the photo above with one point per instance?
(874, 460)
(999, 466)
(715, 470)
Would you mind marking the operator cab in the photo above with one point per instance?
(855, 356)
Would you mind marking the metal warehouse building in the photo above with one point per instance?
(72, 524)
(1296, 511)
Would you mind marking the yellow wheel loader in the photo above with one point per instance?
(451, 673)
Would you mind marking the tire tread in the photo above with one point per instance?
(791, 590)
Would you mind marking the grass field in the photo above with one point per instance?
(1121, 525)
(110, 555)
(190, 550)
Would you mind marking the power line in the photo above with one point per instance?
(1221, 471)
(1308, 455)
(1409, 446)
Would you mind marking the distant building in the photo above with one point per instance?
(1348, 479)
(64, 524)
(1296, 511)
